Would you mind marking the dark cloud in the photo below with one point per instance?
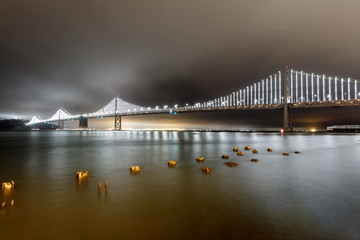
(80, 54)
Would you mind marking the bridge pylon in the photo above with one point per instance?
(287, 125)
(117, 125)
(61, 124)
(83, 122)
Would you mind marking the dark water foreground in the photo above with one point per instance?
(314, 195)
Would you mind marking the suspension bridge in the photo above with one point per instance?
(285, 90)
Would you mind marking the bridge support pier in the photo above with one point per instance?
(287, 126)
(117, 125)
(83, 122)
(61, 124)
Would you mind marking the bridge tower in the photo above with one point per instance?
(287, 125)
(61, 122)
(83, 122)
(117, 124)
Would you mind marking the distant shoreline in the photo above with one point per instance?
(19, 125)
(195, 131)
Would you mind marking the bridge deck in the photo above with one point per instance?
(319, 104)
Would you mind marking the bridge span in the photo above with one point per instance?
(285, 90)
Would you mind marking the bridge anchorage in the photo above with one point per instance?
(287, 89)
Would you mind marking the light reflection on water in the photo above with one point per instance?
(311, 195)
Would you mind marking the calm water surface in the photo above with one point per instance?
(313, 195)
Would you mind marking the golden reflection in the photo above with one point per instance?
(200, 159)
(231, 164)
(135, 169)
(8, 185)
(206, 169)
(82, 174)
(82, 177)
(171, 163)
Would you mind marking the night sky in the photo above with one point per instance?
(80, 54)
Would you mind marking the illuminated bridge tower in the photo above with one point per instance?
(287, 125)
